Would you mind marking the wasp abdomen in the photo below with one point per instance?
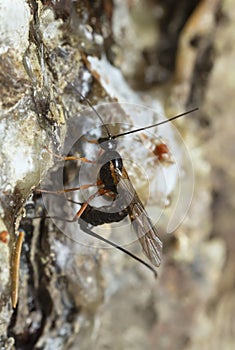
(103, 215)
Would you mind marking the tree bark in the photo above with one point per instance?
(73, 293)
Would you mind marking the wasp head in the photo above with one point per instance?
(107, 143)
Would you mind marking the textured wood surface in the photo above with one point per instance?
(170, 57)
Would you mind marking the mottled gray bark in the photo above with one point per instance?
(74, 294)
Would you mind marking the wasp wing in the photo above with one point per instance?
(144, 228)
(146, 233)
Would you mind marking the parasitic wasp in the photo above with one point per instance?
(114, 184)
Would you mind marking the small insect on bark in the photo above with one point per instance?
(4, 235)
(113, 182)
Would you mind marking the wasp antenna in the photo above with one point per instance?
(157, 124)
(93, 108)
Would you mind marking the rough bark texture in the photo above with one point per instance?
(169, 56)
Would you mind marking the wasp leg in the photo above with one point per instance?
(82, 159)
(100, 192)
(66, 190)
(90, 141)
(16, 269)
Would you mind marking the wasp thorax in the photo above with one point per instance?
(111, 168)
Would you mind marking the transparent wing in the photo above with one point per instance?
(144, 228)
(146, 233)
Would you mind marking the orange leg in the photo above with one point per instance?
(100, 192)
(66, 190)
(90, 141)
(82, 159)
(84, 205)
